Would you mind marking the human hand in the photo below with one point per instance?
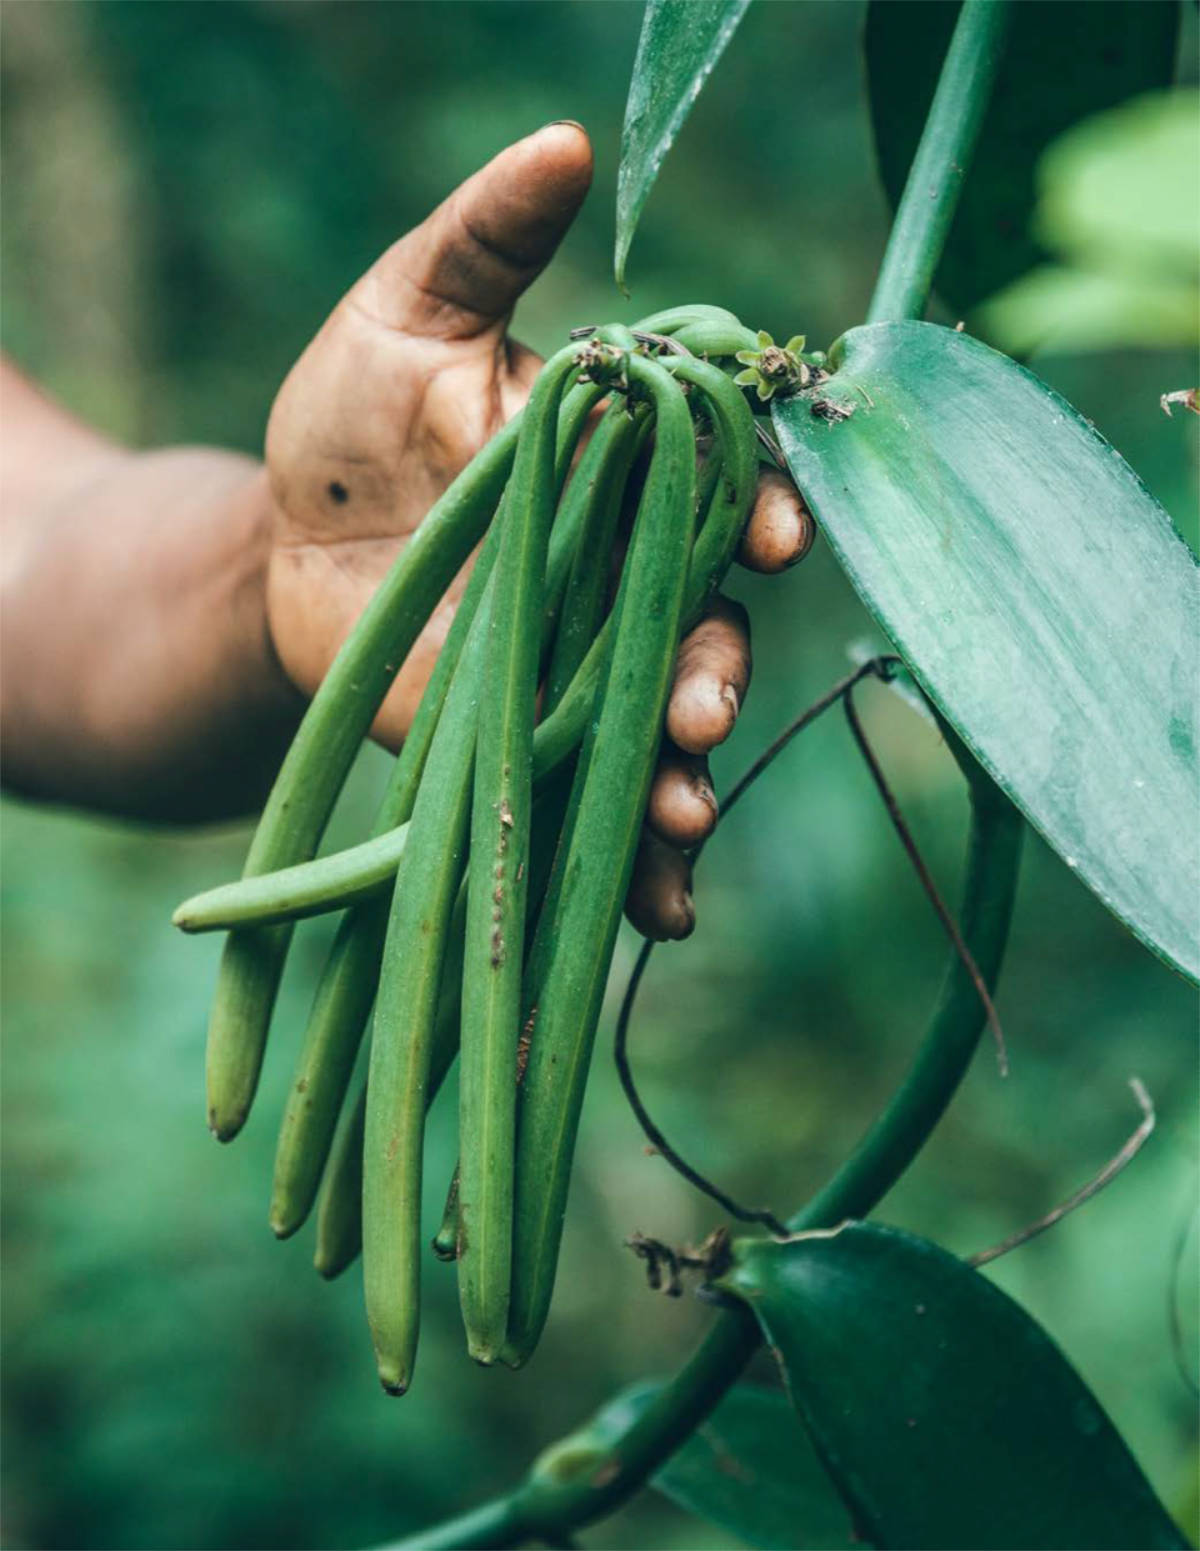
(409, 377)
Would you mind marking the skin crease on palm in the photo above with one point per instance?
(409, 376)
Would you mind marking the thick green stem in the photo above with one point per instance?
(939, 168)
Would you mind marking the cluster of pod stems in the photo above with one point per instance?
(481, 914)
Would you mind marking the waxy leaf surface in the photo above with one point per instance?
(1036, 590)
(681, 41)
(946, 1415)
(1062, 63)
(751, 1469)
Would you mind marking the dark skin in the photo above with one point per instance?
(166, 614)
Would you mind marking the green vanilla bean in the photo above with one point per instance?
(340, 1011)
(339, 1208)
(427, 881)
(578, 924)
(358, 872)
(717, 337)
(406, 1002)
(672, 319)
(346, 990)
(497, 879)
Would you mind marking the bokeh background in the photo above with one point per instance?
(188, 189)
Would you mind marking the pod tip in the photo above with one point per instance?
(283, 1227)
(223, 1128)
(327, 1266)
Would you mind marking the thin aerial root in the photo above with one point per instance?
(927, 883)
(1107, 1174)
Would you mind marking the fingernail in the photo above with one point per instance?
(702, 712)
(570, 123)
(806, 533)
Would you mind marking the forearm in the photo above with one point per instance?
(138, 674)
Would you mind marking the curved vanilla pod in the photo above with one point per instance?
(426, 882)
(570, 958)
(716, 337)
(402, 1035)
(672, 319)
(339, 1206)
(363, 870)
(497, 878)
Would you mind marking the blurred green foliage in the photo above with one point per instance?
(1120, 203)
(189, 189)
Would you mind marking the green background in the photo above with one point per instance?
(189, 188)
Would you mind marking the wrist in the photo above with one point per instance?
(251, 520)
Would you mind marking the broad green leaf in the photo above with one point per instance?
(750, 1468)
(681, 41)
(1062, 63)
(1036, 590)
(946, 1415)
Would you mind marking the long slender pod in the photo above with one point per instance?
(339, 1208)
(346, 990)
(497, 885)
(401, 1043)
(408, 987)
(578, 926)
(340, 1010)
(360, 871)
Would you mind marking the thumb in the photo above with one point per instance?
(461, 271)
